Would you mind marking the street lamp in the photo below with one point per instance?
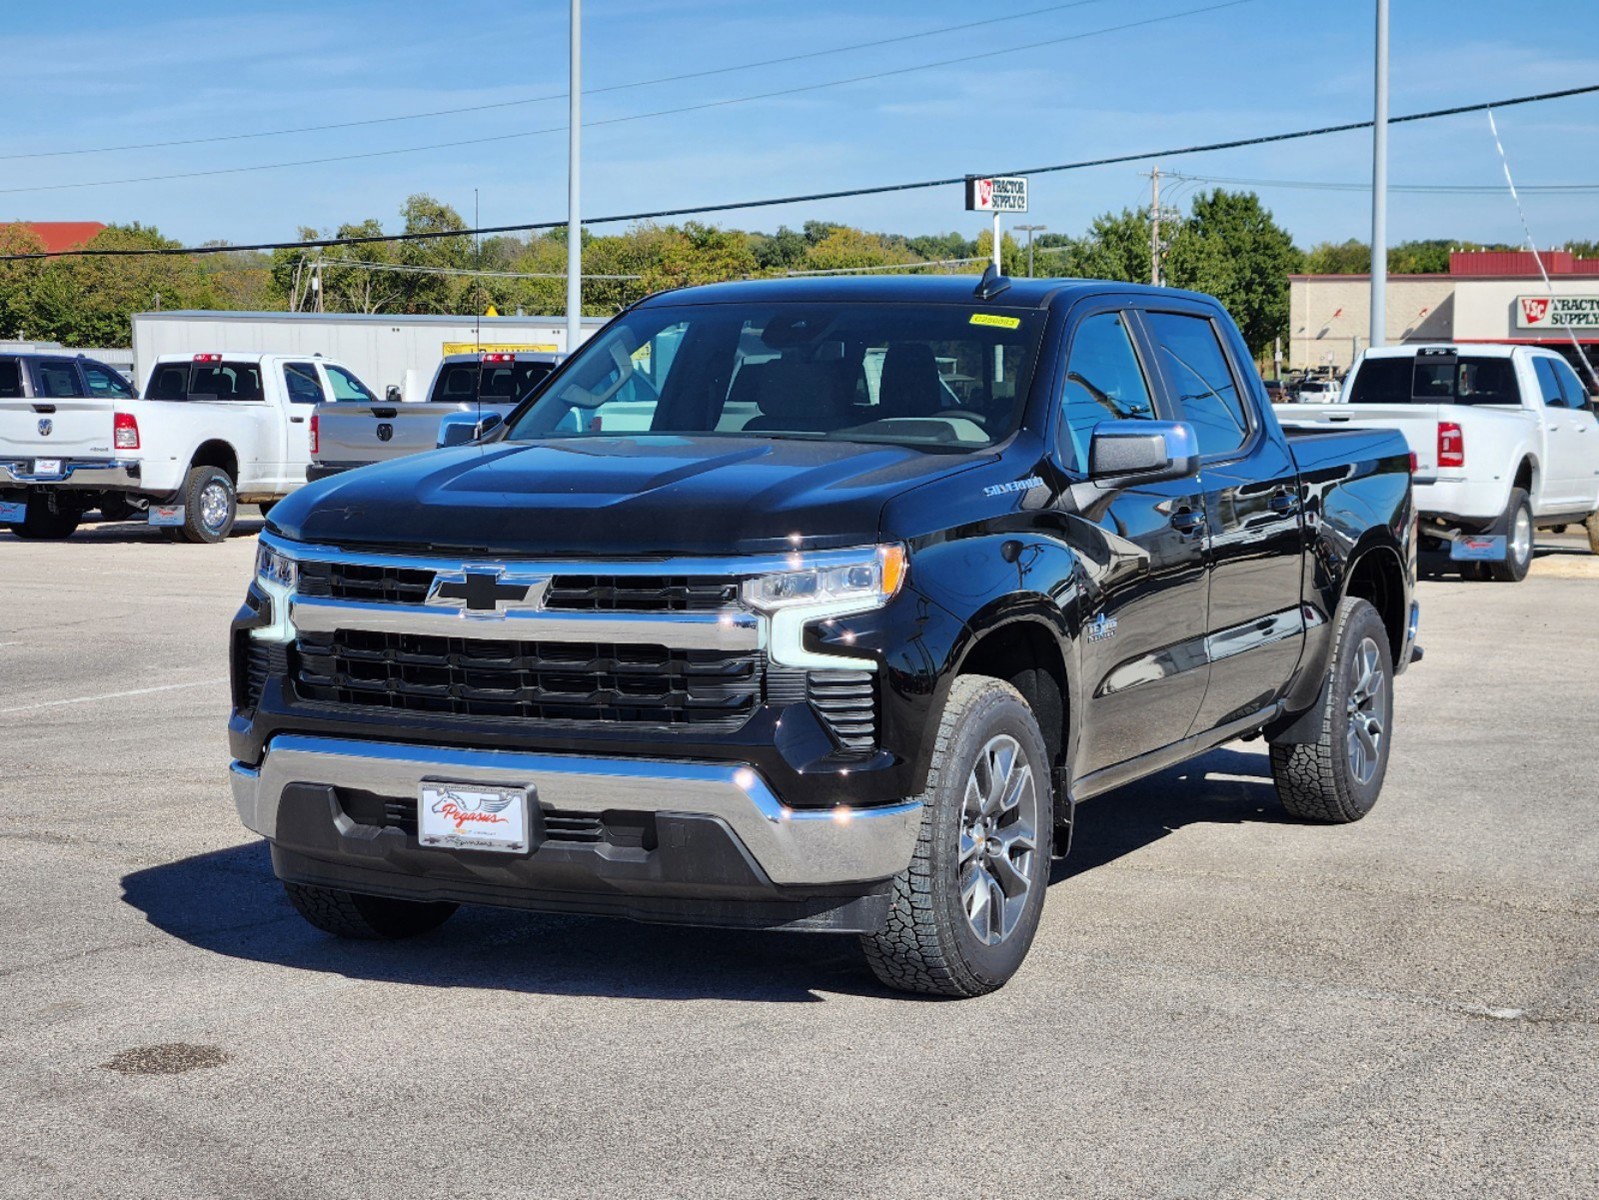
(1029, 231)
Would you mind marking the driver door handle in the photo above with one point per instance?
(1188, 520)
(296, 420)
(1283, 502)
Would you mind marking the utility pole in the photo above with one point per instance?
(1029, 230)
(998, 265)
(1154, 227)
(574, 223)
(1379, 187)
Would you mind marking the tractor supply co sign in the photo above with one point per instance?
(500, 348)
(1005, 194)
(1557, 312)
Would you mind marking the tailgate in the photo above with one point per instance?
(1418, 422)
(57, 427)
(365, 433)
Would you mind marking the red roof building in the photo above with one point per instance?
(63, 235)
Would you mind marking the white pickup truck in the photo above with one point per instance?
(211, 431)
(1505, 441)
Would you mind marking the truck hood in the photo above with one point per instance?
(638, 496)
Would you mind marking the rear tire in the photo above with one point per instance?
(1517, 528)
(1337, 778)
(44, 524)
(963, 913)
(209, 505)
(368, 918)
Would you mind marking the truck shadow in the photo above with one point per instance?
(112, 532)
(228, 902)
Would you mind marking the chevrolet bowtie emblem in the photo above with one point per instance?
(487, 591)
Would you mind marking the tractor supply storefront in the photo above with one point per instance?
(1487, 296)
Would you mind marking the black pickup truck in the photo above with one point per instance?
(833, 633)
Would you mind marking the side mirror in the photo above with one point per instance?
(392, 394)
(1128, 453)
(457, 429)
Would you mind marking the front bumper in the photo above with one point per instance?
(720, 835)
(93, 474)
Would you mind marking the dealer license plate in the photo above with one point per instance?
(47, 468)
(1478, 549)
(471, 816)
(166, 514)
(13, 513)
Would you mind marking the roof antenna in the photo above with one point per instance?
(991, 284)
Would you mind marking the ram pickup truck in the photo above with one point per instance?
(353, 432)
(211, 430)
(1505, 439)
(818, 647)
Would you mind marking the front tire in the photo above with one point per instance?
(368, 918)
(963, 913)
(209, 505)
(1516, 525)
(1337, 778)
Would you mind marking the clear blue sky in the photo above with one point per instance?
(95, 74)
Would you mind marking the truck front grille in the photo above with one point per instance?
(365, 584)
(262, 660)
(530, 681)
(640, 593)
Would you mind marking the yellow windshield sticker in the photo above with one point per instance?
(996, 321)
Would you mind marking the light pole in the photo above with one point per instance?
(1029, 229)
(1379, 187)
(574, 224)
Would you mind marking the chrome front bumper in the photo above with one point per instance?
(75, 473)
(793, 847)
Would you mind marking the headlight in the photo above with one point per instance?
(867, 578)
(275, 568)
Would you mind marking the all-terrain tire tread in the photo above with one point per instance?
(1309, 776)
(908, 953)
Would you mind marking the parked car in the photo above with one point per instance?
(843, 660)
(210, 431)
(355, 431)
(1505, 439)
(1320, 390)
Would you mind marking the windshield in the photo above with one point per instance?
(924, 375)
(204, 381)
(461, 382)
(1435, 379)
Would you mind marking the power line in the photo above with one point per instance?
(1443, 189)
(664, 112)
(615, 87)
(328, 264)
(812, 197)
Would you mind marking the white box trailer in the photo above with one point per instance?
(384, 350)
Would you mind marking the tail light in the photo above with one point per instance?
(315, 431)
(207, 358)
(1451, 445)
(499, 358)
(1415, 462)
(125, 431)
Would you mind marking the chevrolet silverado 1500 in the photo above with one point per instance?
(816, 646)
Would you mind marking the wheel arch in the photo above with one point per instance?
(1377, 575)
(217, 453)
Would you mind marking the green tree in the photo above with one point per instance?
(1339, 258)
(90, 301)
(1232, 248)
(1116, 246)
(780, 251)
(18, 280)
(844, 247)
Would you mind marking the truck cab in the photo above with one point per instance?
(830, 627)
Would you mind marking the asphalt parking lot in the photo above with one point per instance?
(1220, 1002)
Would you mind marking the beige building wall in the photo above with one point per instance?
(1329, 316)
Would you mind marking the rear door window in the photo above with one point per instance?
(302, 384)
(56, 377)
(1196, 367)
(1548, 383)
(103, 381)
(1104, 382)
(346, 386)
(10, 378)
